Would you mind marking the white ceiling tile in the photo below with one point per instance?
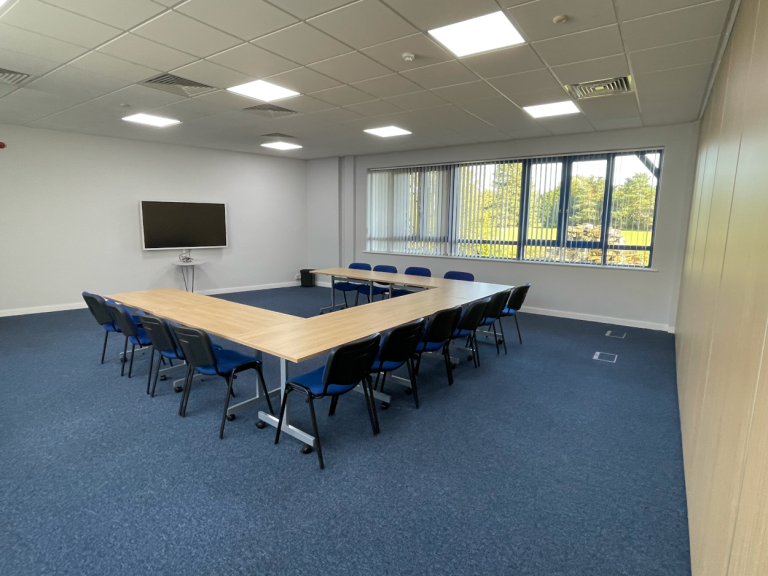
(146, 52)
(117, 13)
(331, 116)
(113, 67)
(303, 80)
(57, 23)
(78, 118)
(425, 50)
(416, 100)
(6, 89)
(246, 19)
(212, 74)
(532, 81)
(189, 108)
(630, 9)
(510, 3)
(233, 101)
(678, 26)
(439, 75)
(610, 107)
(32, 44)
(675, 55)
(138, 98)
(352, 67)
(185, 34)
(304, 9)
(588, 70)
(305, 104)
(363, 24)
(535, 18)
(342, 95)
(384, 86)
(168, 3)
(569, 124)
(252, 60)
(303, 44)
(437, 13)
(504, 62)
(670, 86)
(545, 96)
(374, 108)
(26, 105)
(588, 45)
(499, 112)
(76, 84)
(25, 63)
(617, 123)
(466, 92)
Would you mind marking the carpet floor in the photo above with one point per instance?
(541, 462)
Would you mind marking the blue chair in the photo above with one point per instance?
(515, 302)
(412, 271)
(471, 316)
(351, 286)
(397, 348)
(347, 366)
(378, 289)
(493, 312)
(134, 333)
(454, 275)
(202, 357)
(437, 336)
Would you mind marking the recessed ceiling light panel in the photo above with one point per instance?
(554, 109)
(281, 145)
(262, 90)
(481, 34)
(388, 131)
(148, 119)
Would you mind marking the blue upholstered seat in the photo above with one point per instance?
(508, 312)
(461, 333)
(346, 286)
(429, 346)
(226, 361)
(379, 366)
(313, 381)
(365, 290)
(141, 338)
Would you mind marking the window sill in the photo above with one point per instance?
(506, 261)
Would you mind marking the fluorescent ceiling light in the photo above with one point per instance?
(555, 109)
(3, 2)
(281, 145)
(387, 131)
(481, 34)
(156, 121)
(261, 90)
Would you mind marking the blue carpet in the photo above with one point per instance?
(541, 462)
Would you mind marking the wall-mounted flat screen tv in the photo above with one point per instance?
(183, 225)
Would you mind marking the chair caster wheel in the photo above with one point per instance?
(177, 389)
(453, 366)
(123, 360)
(260, 425)
(306, 449)
(501, 342)
(470, 358)
(163, 377)
(384, 405)
(408, 391)
(231, 417)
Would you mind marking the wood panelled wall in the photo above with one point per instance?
(723, 315)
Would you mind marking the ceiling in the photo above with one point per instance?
(87, 57)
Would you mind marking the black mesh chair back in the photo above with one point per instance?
(98, 307)
(497, 304)
(473, 315)
(196, 346)
(442, 324)
(399, 343)
(122, 319)
(350, 363)
(517, 297)
(159, 332)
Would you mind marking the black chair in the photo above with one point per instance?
(470, 320)
(202, 357)
(437, 336)
(397, 348)
(347, 366)
(412, 271)
(454, 275)
(516, 299)
(347, 286)
(164, 342)
(134, 334)
(493, 312)
(98, 307)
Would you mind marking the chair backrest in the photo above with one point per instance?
(517, 297)
(399, 343)
(122, 319)
(196, 346)
(360, 266)
(350, 363)
(418, 271)
(455, 275)
(497, 304)
(473, 314)
(159, 333)
(385, 268)
(441, 325)
(98, 307)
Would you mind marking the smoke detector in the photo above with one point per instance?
(560, 19)
(408, 56)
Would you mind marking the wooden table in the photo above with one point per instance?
(294, 339)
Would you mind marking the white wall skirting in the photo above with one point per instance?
(600, 319)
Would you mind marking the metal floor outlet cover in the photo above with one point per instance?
(605, 357)
(611, 334)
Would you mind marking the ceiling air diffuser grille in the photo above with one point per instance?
(269, 111)
(13, 78)
(597, 88)
(178, 85)
(277, 135)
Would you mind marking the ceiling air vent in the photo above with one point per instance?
(178, 85)
(597, 88)
(269, 111)
(277, 135)
(13, 78)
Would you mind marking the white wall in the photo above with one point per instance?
(69, 217)
(640, 298)
(323, 210)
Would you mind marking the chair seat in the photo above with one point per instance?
(365, 289)
(488, 321)
(173, 354)
(346, 286)
(386, 366)
(313, 381)
(226, 361)
(429, 346)
(401, 292)
(508, 312)
(109, 327)
(141, 338)
(461, 333)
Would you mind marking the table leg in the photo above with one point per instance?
(193, 278)
(308, 439)
(390, 291)
(370, 291)
(231, 410)
(333, 293)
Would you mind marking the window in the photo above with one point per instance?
(594, 209)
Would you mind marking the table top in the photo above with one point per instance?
(298, 339)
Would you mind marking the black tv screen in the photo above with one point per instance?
(168, 225)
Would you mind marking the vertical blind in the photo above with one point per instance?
(596, 209)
